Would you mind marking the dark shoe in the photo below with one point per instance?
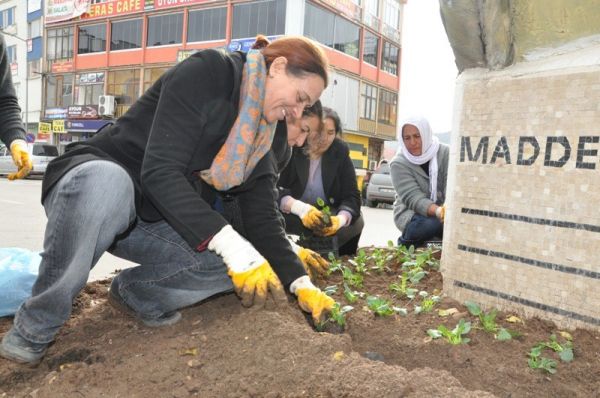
(166, 319)
(16, 348)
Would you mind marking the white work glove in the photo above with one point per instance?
(252, 276)
(312, 218)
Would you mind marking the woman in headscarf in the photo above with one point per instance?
(184, 185)
(419, 173)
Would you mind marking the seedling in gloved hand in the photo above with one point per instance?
(326, 212)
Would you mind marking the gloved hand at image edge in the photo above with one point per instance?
(312, 218)
(311, 299)
(311, 260)
(336, 223)
(440, 212)
(21, 158)
(252, 276)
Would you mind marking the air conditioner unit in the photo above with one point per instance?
(106, 105)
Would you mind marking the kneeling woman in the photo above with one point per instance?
(154, 188)
(322, 169)
(419, 173)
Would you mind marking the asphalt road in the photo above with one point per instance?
(23, 222)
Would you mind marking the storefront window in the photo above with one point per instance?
(165, 29)
(206, 25)
(388, 105)
(126, 35)
(370, 48)
(92, 39)
(389, 58)
(89, 87)
(331, 30)
(368, 101)
(258, 17)
(124, 85)
(59, 43)
(151, 75)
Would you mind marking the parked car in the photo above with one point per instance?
(41, 155)
(379, 187)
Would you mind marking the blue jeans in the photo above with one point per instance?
(91, 206)
(421, 229)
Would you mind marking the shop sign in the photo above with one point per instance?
(244, 45)
(85, 126)
(83, 112)
(346, 7)
(114, 8)
(183, 54)
(44, 128)
(63, 10)
(58, 126)
(42, 137)
(55, 113)
(160, 4)
(62, 66)
(91, 78)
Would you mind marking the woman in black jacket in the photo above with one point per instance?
(197, 154)
(322, 169)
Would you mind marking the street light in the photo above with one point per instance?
(26, 41)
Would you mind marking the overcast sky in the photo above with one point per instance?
(428, 71)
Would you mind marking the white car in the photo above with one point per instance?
(41, 155)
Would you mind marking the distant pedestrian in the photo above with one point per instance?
(12, 132)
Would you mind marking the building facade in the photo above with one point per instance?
(22, 26)
(113, 50)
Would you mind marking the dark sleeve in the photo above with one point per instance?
(11, 126)
(177, 130)
(264, 229)
(349, 187)
(286, 176)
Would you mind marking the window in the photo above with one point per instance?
(318, 24)
(7, 17)
(11, 54)
(35, 28)
(370, 48)
(346, 37)
(92, 39)
(389, 58)
(124, 85)
(258, 17)
(126, 35)
(331, 30)
(388, 104)
(151, 75)
(205, 25)
(59, 91)
(35, 68)
(88, 88)
(391, 13)
(372, 7)
(368, 101)
(165, 29)
(59, 44)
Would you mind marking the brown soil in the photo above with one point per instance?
(220, 349)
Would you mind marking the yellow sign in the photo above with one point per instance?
(58, 126)
(44, 128)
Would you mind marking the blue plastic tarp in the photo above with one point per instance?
(18, 272)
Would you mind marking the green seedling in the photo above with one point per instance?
(352, 296)
(335, 264)
(402, 253)
(379, 306)
(427, 303)
(360, 262)
(537, 361)
(351, 278)
(564, 351)
(402, 289)
(331, 290)
(415, 275)
(325, 210)
(337, 316)
(454, 336)
(381, 260)
(488, 322)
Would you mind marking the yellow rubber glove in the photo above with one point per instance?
(312, 218)
(311, 299)
(22, 159)
(337, 222)
(252, 276)
(311, 260)
(440, 212)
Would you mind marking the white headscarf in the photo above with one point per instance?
(429, 144)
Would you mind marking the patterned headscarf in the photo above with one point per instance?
(250, 137)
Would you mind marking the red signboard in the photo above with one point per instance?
(62, 66)
(113, 7)
(160, 4)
